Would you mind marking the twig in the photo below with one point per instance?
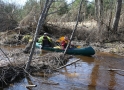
(6, 56)
(3, 80)
(115, 70)
(31, 86)
(50, 83)
(68, 64)
(27, 72)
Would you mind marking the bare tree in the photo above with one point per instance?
(117, 16)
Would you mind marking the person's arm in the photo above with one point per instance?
(40, 39)
(49, 39)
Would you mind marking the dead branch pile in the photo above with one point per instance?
(10, 74)
(49, 62)
(11, 66)
(14, 68)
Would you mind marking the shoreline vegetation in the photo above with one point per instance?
(85, 35)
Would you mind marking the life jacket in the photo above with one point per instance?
(64, 43)
(60, 39)
(46, 42)
(42, 37)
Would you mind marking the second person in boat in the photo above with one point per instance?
(64, 42)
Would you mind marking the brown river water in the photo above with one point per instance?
(90, 73)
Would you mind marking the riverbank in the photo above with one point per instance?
(112, 48)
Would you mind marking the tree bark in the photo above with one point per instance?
(96, 10)
(100, 13)
(117, 16)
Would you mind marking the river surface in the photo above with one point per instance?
(90, 73)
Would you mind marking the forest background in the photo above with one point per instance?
(99, 20)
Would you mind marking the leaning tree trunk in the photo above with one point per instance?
(74, 28)
(117, 16)
(39, 26)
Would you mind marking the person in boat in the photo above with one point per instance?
(64, 42)
(45, 40)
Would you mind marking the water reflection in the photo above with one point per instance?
(93, 77)
(112, 81)
(89, 60)
(70, 75)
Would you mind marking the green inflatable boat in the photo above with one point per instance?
(86, 51)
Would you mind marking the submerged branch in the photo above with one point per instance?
(68, 64)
